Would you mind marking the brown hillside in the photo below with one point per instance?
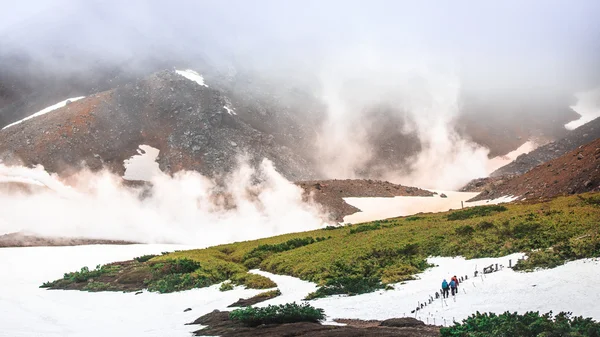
(577, 171)
(330, 193)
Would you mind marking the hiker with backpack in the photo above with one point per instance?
(453, 286)
(445, 288)
(455, 279)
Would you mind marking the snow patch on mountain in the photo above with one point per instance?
(588, 108)
(229, 110)
(142, 166)
(499, 161)
(192, 76)
(45, 110)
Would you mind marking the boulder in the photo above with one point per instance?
(402, 322)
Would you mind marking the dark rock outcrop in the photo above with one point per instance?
(402, 322)
(219, 324)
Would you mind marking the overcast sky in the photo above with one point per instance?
(490, 44)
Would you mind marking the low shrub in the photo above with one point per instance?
(585, 246)
(253, 281)
(175, 266)
(593, 200)
(530, 324)
(525, 229)
(144, 258)
(178, 282)
(226, 286)
(546, 258)
(253, 258)
(96, 286)
(270, 293)
(485, 225)
(473, 212)
(347, 285)
(278, 314)
(85, 274)
(464, 230)
(366, 227)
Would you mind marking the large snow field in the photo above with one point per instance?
(571, 287)
(385, 207)
(26, 310)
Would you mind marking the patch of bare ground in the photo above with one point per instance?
(32, 240)
(330, 193)
(219, 324)
(576, 172)
(246, 302)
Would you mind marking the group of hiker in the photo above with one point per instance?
(451, 286)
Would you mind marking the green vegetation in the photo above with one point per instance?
(226, 286)
(84, 275)
(144, 258)
(366, 227)
(96, 286)
(362, 258)
(575, 248)
(593, 199)
(531, 324)
(278, 314)
(270, 293)
(330, 228)
(473, 212)
(253, 281)
(253, 258)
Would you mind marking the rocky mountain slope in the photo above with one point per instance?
(577, 171)
(330, 193)
(194, 127)
(575, 138)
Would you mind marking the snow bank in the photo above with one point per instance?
(46, 110)
(192, 76)
(383, 208)
(566, 288)
(26, 310)
(588, 108)
(499, 161)
(142, 166)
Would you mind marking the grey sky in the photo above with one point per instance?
(504, 45)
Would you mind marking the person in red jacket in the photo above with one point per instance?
(455, 279)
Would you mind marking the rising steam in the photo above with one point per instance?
(186, 208)
(425, 101)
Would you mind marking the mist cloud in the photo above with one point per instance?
(186, 208)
